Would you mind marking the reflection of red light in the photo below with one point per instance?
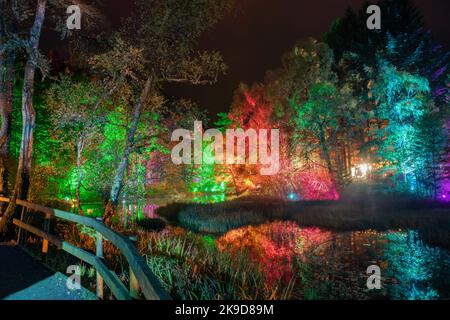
(273, 246)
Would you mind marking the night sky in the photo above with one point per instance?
(253, 37)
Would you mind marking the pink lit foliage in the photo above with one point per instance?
(273, 247)
(149, 211)
(131, 213)
(317, 184)
(253, 110)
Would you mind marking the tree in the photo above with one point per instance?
(21, 185)
(166, 33)
(77, 116)
(34, 59)
(317, 117)
(403, 42)
(321, 110)
(430, 153)
(7, 61)
(206, 179)
(402, 99)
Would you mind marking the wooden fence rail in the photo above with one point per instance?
(141, 277)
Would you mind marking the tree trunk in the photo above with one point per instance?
(22, 183)
(326, 153)
(4, 120)
(80, 146)
(6, 96)
(344, 157)
(339, 173)
(121, 168)
(349, 154)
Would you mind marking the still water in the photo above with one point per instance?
(129, 212)
(410, 269)
(334, 265)
(328, 264)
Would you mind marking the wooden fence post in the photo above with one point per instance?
(99, 254)
(134, 284)
(47, 230)
(19, 234)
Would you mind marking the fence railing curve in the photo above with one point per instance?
(141, 277)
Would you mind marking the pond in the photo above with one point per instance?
(128, 212)
(329, 265)
(409, 268)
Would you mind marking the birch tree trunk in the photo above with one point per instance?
(129, 147)
(22, 183)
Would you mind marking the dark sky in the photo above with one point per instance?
(253, 37)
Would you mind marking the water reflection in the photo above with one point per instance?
(328, 265)
(420, 272)
(128, 212)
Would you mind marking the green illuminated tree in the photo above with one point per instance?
(76, 111)
(27, 18)
(22, 182)
(321, 108)
(205, 180)
(165, 33)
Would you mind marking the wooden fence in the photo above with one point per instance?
(141, 277)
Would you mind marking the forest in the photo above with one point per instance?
(87, 118)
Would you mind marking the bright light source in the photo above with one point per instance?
(292, 196)
(364, 169)
(360, 171)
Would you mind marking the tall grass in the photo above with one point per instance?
(191, 267)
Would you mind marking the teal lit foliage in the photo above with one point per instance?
(403, 101)
(414, 266)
